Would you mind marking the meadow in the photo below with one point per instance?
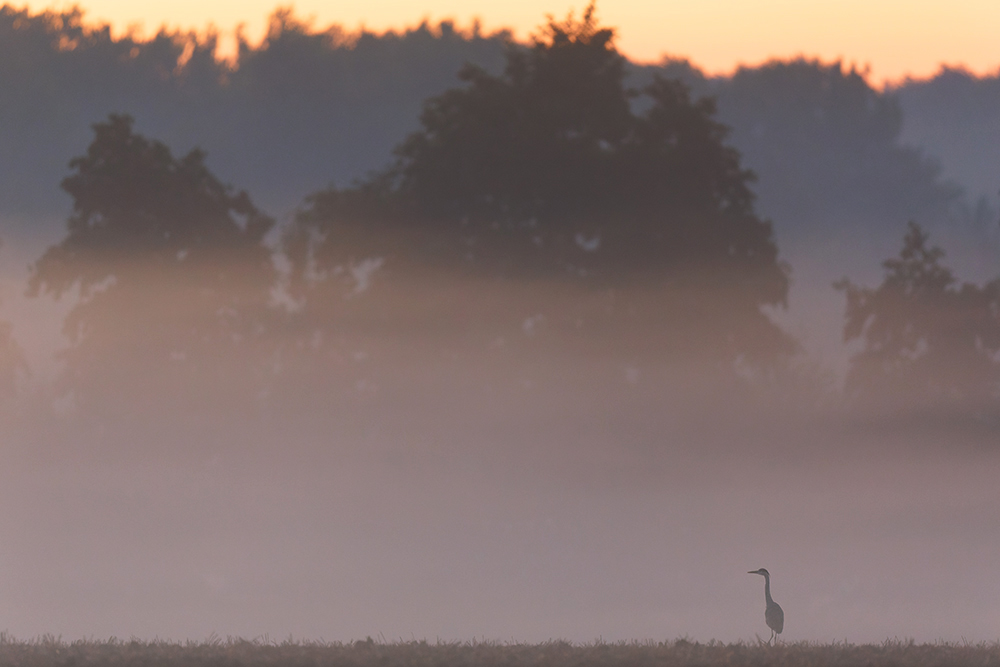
(46, 651)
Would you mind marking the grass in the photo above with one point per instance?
(50, 651)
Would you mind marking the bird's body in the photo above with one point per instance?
(773, 616)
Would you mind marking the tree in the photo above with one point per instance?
(556, 168)
(926, 338)
(170, 265)
(828, 148)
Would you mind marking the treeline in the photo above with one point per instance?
(954, 116)
(289, 115)
(553, 219)
(310, 106)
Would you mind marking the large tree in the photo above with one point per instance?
(556, 168)
(170, 267)
(927, 339)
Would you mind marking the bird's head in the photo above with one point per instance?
(760, 571)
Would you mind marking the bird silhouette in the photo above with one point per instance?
(773, 616)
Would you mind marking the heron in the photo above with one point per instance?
(773, 616)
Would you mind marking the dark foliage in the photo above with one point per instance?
(828, 148)
(303, 107)
(926, 338)
(324, 105)
(309, 106)
(955, 115)
(170, 265)
(546, 170)
(61, 74)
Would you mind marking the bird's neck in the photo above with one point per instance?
(767, 589)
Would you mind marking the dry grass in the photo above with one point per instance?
(231, 652)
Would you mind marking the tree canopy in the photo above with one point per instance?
(556, 168)
(169, 263)
(926, 337)
(843, 136)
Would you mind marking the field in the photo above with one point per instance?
(48, 651)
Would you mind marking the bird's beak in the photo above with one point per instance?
(752, 572)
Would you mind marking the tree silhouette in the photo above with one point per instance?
(170, 265)
(556, 168)
(926, 338)
(827, 146)
(325, 104)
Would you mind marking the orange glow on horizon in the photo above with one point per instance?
(895, 38)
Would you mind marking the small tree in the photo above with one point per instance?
(926, 337)
(170, 265)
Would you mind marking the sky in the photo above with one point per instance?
(895, 38)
